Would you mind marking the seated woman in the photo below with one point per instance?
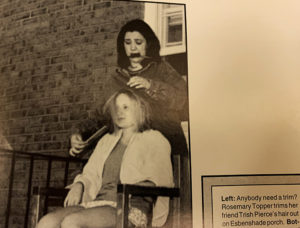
(130, 153)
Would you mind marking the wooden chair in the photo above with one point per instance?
(53, 197)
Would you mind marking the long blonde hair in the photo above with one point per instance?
(142, 110)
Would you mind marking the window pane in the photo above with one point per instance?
(174, 29)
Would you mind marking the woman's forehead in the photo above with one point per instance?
(122, 98)
(133, 35)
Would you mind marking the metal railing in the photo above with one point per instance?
(34, 159)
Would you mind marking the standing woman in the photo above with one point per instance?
(141, 69)
(155, 79)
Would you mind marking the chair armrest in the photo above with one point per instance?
(139, 190)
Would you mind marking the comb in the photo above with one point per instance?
(122, 75)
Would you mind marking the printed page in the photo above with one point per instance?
(244, 112)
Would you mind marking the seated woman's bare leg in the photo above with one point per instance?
(54, 219)
(96, 217)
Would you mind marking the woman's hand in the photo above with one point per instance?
(77, 145)
(74, 195)
(139, 82)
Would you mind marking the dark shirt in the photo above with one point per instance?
(111, 174)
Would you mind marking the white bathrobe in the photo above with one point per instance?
(147, 157)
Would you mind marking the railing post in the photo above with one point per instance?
(66, 172)
(11, 181)
(38, 204)
(29, 192)
(47, 185)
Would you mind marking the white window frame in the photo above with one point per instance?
(156, 16)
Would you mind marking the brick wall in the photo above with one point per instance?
(54, 57)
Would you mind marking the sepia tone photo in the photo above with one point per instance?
(94, 119)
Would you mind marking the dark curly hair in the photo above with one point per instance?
(152, 48)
